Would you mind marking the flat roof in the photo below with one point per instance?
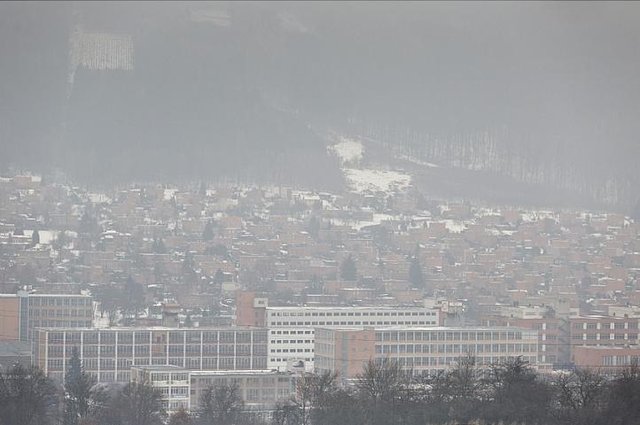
(156, 328)
(311, 308)
(427, 328)
(161, 368)
(239, 372)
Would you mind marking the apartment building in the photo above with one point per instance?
(22, 312)
(260, 390)
(422, 350)
(109, 354)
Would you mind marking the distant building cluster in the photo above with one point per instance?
(195, 286)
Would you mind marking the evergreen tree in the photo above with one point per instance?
(348, 270)
(79, 397)
(218, 278)
(207, 234)
(202, 191)
(416, 278)
(159, 247)
(134, 296)
(35, 238)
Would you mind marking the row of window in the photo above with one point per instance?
(604, 337)
(87, 351)
(353, 314)
(449, 335)
(59, 301)
(73, 312)
(456, 348)
(358, 323)
(208, 363)
(616, 325)
(176, 337)
(280, 360)
(61, 323)
(291, 332)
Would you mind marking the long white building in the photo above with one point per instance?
(109, 354)
(292, 329)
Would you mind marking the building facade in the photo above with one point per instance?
(606, 359)
(421, 350)
(259, 390)
(22, 312)
(292, 329)
(109, 354)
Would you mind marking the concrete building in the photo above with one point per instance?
(260, 390)
(109, 354)
(292, 329)
(423, 350)
(22, 312)
(171, 381)
(606, 359)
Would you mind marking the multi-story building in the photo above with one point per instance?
(603, 331)
(560, 335)
(109, 354)
(422, 350)
(171, 381)
(292, 329)
(606, 359)
(260, 390)
(24, 311)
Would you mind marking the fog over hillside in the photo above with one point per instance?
(543, 95)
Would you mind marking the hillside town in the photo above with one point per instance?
(186, 285)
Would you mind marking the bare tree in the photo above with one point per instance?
(580, 396)
(220, 405)
(312, 394)
(137, 404)
(379, 387)
(27, 397)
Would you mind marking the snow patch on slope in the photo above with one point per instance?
(349, 151)
(368, 180)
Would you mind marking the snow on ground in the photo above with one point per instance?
(46, 236)
(349, 151)
(455, 226)
(417, 161)
(99, 198)
(169, 193)
(369, 180)
(359, 224)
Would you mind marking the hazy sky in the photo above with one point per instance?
(210, 75)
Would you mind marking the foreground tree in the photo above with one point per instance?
(138, 403)
(81, 400)
(220, 405)
(581, 397)
(27, 397)
(379, 388)
(623, 401)
(181, 417)
(312, 396)
(518, 394)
